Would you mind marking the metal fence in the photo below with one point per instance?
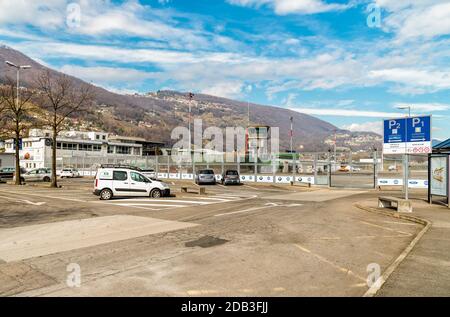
(313, 168)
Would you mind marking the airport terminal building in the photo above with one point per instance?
(36, 150)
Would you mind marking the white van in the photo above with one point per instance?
(127, 182)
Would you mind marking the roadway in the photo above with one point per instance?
(236, 241)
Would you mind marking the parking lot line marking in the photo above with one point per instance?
(159, 200)
(154, 205)
(389, 229)
(23, 201)
(52, 197)
(321, 258)
(205, 198)
(242, 211)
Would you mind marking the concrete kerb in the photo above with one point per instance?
(373, 290)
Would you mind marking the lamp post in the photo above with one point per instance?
(18, 68)
(292, 135)
(406, 157)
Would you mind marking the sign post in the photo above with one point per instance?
(410, 135)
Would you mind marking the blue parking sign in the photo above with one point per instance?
(407, 135)
(419, 129)
(395, 131)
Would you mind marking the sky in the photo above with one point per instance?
(349, 62)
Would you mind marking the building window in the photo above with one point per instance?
(59, 145)
(123, 150)
(69, 146)
(86, 147)
(97, 147)
(110, 149)
(104, 137)
(137, 151)
(97, 137)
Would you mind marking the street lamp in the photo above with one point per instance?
(404, 108)
(18, 68)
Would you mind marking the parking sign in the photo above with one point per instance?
(418, 135)
(394, 136)
(407, 135)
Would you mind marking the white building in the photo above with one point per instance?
(36, 151)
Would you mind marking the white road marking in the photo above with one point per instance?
(242, 211)
(154, 205)
(321, 258)
(149, 200)
(23, 201)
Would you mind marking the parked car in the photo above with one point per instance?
(69, 173)
(36, 175)
(8, 172)
(231, 177)
(205, 177)
(150, 173)
(126, 182)
(393, 168)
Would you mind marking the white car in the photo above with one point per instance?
(39, 174)
(69, 173)
(127, 182)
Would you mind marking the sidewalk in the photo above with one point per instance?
(426, 270)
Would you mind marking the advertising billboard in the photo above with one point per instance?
(439, 175)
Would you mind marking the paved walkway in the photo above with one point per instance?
(426, 270)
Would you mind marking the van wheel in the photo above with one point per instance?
(106, 194)
(46, 179)
(156, 193)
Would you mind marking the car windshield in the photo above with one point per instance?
(207, 172)
(234, 173)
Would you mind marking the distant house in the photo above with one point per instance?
(35, 151)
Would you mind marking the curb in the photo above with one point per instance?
(373, 290)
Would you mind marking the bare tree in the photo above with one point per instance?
(17, 117)
(61, 99)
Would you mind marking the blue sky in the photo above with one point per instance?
(320, 57)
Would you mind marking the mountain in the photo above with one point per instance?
(154, 115)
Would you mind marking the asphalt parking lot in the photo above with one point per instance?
(235, 241)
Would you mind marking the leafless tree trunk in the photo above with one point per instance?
(17, 117)
(59, 96)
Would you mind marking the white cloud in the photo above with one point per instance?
(106, 75)
(373, 126)
(414, 80)
(347, 113)
(420, 19)
(424, 107)
(284, 7)
(225, 89)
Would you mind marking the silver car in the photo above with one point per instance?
(39, 174)
(205, 177)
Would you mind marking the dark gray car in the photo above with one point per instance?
(205, 177)
(231, 177)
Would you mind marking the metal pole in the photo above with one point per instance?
(18, 85)
(292, 134)
(406, 176)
